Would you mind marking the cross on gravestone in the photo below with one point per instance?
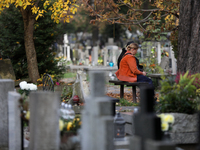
(147, 126)
(66, 42)
(147, 116)
(97, 122)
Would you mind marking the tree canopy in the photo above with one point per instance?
(31, 11)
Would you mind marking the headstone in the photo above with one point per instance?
(113, 50)
(80, 87)
(147, 126)
(95, 55)
(173, 61)
(14, 121)
(97, 122)
(6, 69)
(66, 48)
(6, 85)
(164, 63)
(44, 120)
(105, 58)
(159, 52)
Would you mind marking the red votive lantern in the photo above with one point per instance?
(76, 99)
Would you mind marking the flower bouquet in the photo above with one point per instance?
(25, 88)
(167, 121)
(69, 128)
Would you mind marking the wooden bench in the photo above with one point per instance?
(132, 84)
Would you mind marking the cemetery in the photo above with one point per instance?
(88, 111)
(60, 87)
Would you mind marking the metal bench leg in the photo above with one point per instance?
(134, 93)
(121, 91)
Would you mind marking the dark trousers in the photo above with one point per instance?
(142, 78)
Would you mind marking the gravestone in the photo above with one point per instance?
(105, 57)
(6, 85)
(95, 55)
(159, 52)
(164, 63)
(97, 122)
(66, 48)
(44, 120)
(14, 121)
(6, 70)
(80, 87)
(113, 50)
(147, 126)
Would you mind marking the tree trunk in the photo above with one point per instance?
(189, 37)
(29, 20)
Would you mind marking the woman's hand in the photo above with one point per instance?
(144, 73)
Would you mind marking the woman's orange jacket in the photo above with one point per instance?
(128, 69)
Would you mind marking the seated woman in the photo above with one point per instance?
(128, 70)
(140, 67)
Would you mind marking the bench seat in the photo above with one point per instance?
(132, 84)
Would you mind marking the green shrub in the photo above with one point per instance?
(124, 102)
(181, 97)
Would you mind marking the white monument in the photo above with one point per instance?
(66, 42)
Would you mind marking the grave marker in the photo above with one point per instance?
(6, 70)
(147, 126)
(6, 85)
(14, 121)
(44, 120)
(97, 122)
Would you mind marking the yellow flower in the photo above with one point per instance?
(169, 118)
(27, 116)
(69, 125)
(164, 126)
(161, 116)
(76, 119)
(61, 125)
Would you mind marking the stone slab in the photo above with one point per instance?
(185, 123)
(184, 137)
(159, 145)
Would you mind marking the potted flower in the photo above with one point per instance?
(167, 120)
(69, 128)
(180, 98)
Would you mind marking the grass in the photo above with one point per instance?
(124, 102)
(69, 75)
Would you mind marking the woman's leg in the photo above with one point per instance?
(142, 78)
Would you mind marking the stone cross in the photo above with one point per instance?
(147, 116)
(44, 120)
(97, 130)
(147, 126)
(14, 121)
(66, 41)
(6, 85)
(113, 50)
